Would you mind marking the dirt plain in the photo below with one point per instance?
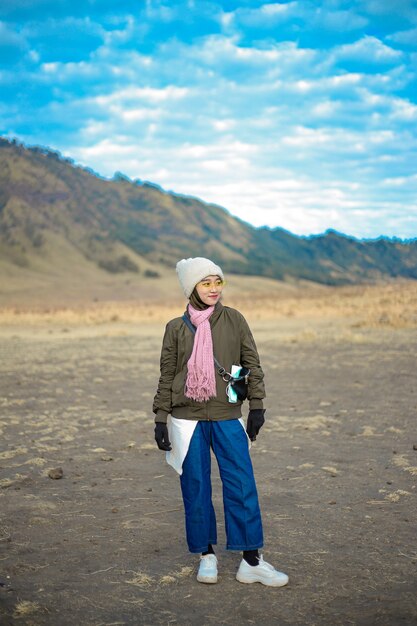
(336, 467)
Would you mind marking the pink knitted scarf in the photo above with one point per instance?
(201, 382)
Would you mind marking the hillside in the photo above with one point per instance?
(55, 215)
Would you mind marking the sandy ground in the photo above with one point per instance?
(335, 466)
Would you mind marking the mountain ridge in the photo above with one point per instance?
(125, 226)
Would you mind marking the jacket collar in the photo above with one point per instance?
(218, 308)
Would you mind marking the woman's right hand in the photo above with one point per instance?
(162, 437)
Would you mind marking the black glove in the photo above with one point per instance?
(162, 437)
(255, 422)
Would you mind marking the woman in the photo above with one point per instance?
(205, 413)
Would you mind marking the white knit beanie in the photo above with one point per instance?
(191, 271)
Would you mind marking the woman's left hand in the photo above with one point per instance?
(255, 422)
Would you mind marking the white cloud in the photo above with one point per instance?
(225, 19)
(224, 149)
(157, 11)
(325, 109)
(309, 14)
(338, 19)
(133, 115)
(266, 14)
(149, 94)
(408, 37)
(105, 148)
(404, 110)
(400, 181)
(64, 72)
(276, 8)
(49, 68)
(304, 137)
(224, 125)
(217, 50)
(368, 49)
(119, 36)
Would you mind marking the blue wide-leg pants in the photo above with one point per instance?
(243, 522)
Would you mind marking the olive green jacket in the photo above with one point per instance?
(233, 344)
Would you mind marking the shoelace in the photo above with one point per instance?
(265, 564)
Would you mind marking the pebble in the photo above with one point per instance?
(56, 473)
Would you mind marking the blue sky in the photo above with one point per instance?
(297, 114)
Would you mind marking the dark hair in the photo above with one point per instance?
(197, 302)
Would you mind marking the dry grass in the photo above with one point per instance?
(185, 572)
(402, 461)
(167, 580)
(88, 315)
(140, 579)
(388, 305)
(396, 495)
(392, 305)
(25, 608)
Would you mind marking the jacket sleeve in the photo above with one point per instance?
(249, 357)
(168, 364)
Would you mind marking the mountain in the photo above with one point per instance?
(54, 213)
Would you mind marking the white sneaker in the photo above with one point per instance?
(262, 573)
(207, 572)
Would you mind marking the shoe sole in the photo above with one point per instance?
(266, 583)
(209, 580)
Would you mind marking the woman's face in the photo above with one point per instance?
(210, 289)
